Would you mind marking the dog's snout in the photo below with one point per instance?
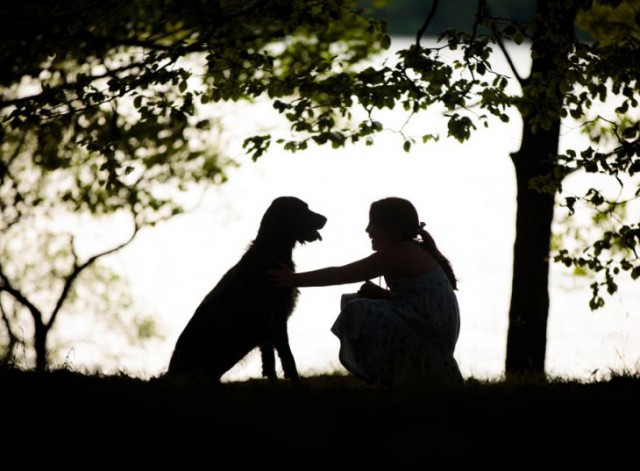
(321, 220)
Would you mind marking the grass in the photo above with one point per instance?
(94, 421)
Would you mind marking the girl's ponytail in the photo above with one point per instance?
(430, 246)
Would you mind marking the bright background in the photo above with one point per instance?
(465, 193)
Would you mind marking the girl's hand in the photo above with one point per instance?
(282, 277)
(373, 291)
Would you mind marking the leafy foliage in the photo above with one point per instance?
(591, 84)
(103, 116)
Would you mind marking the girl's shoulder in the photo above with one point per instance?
(410, 259)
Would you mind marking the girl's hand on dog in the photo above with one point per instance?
(281, 277)
(373, 291)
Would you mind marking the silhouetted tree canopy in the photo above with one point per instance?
(102, 107)
(114, 91)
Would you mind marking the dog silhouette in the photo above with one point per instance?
(244, 311)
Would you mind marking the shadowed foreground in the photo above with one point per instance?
(74, 419)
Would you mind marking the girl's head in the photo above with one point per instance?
(395, 215)
(394, 220)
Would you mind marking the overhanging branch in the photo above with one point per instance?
(427, 21)
(498, 37)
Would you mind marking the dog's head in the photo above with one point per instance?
(291, 217)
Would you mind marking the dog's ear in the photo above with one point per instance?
(276, 221)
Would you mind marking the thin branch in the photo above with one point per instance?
(427, 21)
(52, 92)
(5, 170)
(13, 338)
(79, 268)
(7, 287)
(474, 32)
(498, 37)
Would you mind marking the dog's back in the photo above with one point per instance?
(244, 311)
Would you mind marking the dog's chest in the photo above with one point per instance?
(284, 302)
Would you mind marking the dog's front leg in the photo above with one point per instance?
(268, 361)
(288, 364)
(286, 356)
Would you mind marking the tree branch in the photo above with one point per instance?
(13, 338)
(53, 91)
(7, 287)
(498, 37)
(5, 171)
(79, 268)
(427, 21)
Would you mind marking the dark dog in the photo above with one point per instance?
(244, 311)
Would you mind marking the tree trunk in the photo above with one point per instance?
(540, 107)
(528, 313)
(40, 345)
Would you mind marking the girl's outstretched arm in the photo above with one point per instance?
(361, 270)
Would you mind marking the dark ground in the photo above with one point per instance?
(92, 421)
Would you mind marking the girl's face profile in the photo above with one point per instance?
(381, 237)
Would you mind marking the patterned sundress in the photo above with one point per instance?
(407, 340)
